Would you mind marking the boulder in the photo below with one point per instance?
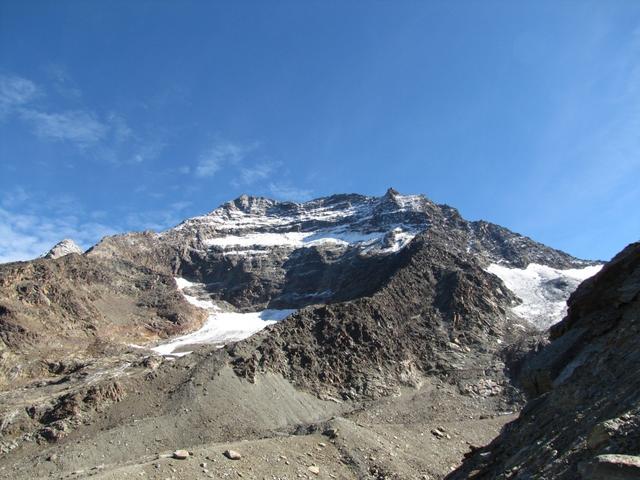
(611, 467)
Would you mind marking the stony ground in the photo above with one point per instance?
(423, 433)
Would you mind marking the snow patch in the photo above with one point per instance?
(295, 239)
(184, 284)
(370, 242)
(221, 328)
(543, 290)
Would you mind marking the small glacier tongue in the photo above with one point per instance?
(543, 290)
(220, 327)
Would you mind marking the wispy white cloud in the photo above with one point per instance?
(62, 81)
(283, 191)
(257, 172)
(119, 128)
(15, 196)
(15, 91)
(32, 222)
(30, 233)
(248, 167)
(219, 155)
(79, 127)
(158, 220)
(108, 136)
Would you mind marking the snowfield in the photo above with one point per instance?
(370, 242)
(543, 290)
(221, 327)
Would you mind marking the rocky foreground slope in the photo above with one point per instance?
(583, 419)
(401, 352)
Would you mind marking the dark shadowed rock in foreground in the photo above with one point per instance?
(583, 420)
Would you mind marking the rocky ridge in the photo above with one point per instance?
(73, 309)
(439, 313)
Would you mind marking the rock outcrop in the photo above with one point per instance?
(65, 247)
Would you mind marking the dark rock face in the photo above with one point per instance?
(496, 243)
(585, 409)
(438, 313)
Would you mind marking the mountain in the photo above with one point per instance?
(384, 318)
(255, 255)
(260, 253)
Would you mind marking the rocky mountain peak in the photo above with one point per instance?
(391, 193)
(249, 204)
(254, 252)
(62, 248)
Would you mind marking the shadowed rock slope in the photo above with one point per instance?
(440, 313)
(583, 420)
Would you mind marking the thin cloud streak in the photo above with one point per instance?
(288, 192)
(24, 236)
(109, 136)
(14, 92)
(219, 155)
(254, 173)
(30, 226)
(79, 127)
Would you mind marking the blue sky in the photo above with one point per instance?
(131, 115)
